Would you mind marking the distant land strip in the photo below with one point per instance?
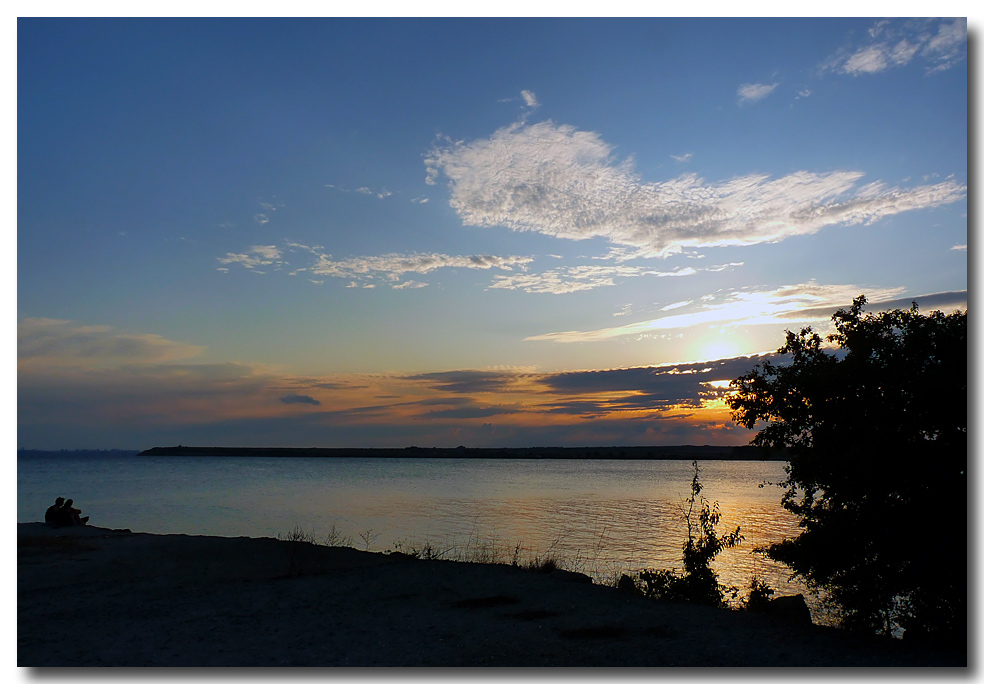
(663, 453)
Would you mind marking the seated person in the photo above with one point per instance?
(52, 515)
(72, 515)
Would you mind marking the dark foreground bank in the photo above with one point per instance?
(125, 599)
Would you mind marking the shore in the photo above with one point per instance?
(132, 599)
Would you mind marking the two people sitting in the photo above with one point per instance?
(63, 514)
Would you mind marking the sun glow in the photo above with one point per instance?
(714, 347)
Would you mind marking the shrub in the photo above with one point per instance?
(698, 583)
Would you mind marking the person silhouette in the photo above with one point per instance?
(73, 515)
(52, 516)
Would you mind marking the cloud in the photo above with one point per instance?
(45, 342)
(262, 219)
(944, 301)
(939, 44)
(258, 255)
(959, 248)
(362, 190)
(562, 182)
(468, 412)
(143, 392)
(530, 99)
(299, 399)
(754, 92)
(272, 206)
(357, 270)
(647, 388)
(802, 303)
(409, 285)
(393, 266)
(683, 157)
(467, 381)
(569, 279)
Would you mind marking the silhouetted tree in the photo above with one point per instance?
(877, 434)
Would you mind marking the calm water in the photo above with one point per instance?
(600, 517)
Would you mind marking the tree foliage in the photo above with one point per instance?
(698, 583)
(877, 432)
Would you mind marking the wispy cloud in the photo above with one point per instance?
(683, 157)
(409, 285)
(749, 93)
(801, 303)
(362, 271)
(362, 190)
(559, 181)
(47, 342)
(529, 97)
(568, 279)
(258, 255)
(959, 248)
(391, 267)
(938, 44)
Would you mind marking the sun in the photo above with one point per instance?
(713, 347)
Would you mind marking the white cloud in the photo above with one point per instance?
(392, 267)
(530, 98)
(579, 278)
(258, 255)
(559, 181)
(409, 284)
(683, 157)
(802, 303)
(262, 219)
(362, 190)
(753, 92)
(940, 43)
(959, 248)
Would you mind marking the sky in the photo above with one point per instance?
(480, 232)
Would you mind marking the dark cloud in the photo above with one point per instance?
(645, 388)
(469, 412)
(926, 303)
(467, 381)
(300, 399)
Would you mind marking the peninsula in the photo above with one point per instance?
(666, 453)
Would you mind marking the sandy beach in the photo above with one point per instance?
(132, 599)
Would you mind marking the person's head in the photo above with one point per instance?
(69, 502)
(60, 500)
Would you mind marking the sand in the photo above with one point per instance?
(98, 597)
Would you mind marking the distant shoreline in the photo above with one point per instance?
(661, 453)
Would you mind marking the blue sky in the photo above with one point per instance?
(491, 232)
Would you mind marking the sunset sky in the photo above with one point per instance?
(489, 232)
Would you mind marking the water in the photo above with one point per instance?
(601, 517)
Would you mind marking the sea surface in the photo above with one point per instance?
(601, 517)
